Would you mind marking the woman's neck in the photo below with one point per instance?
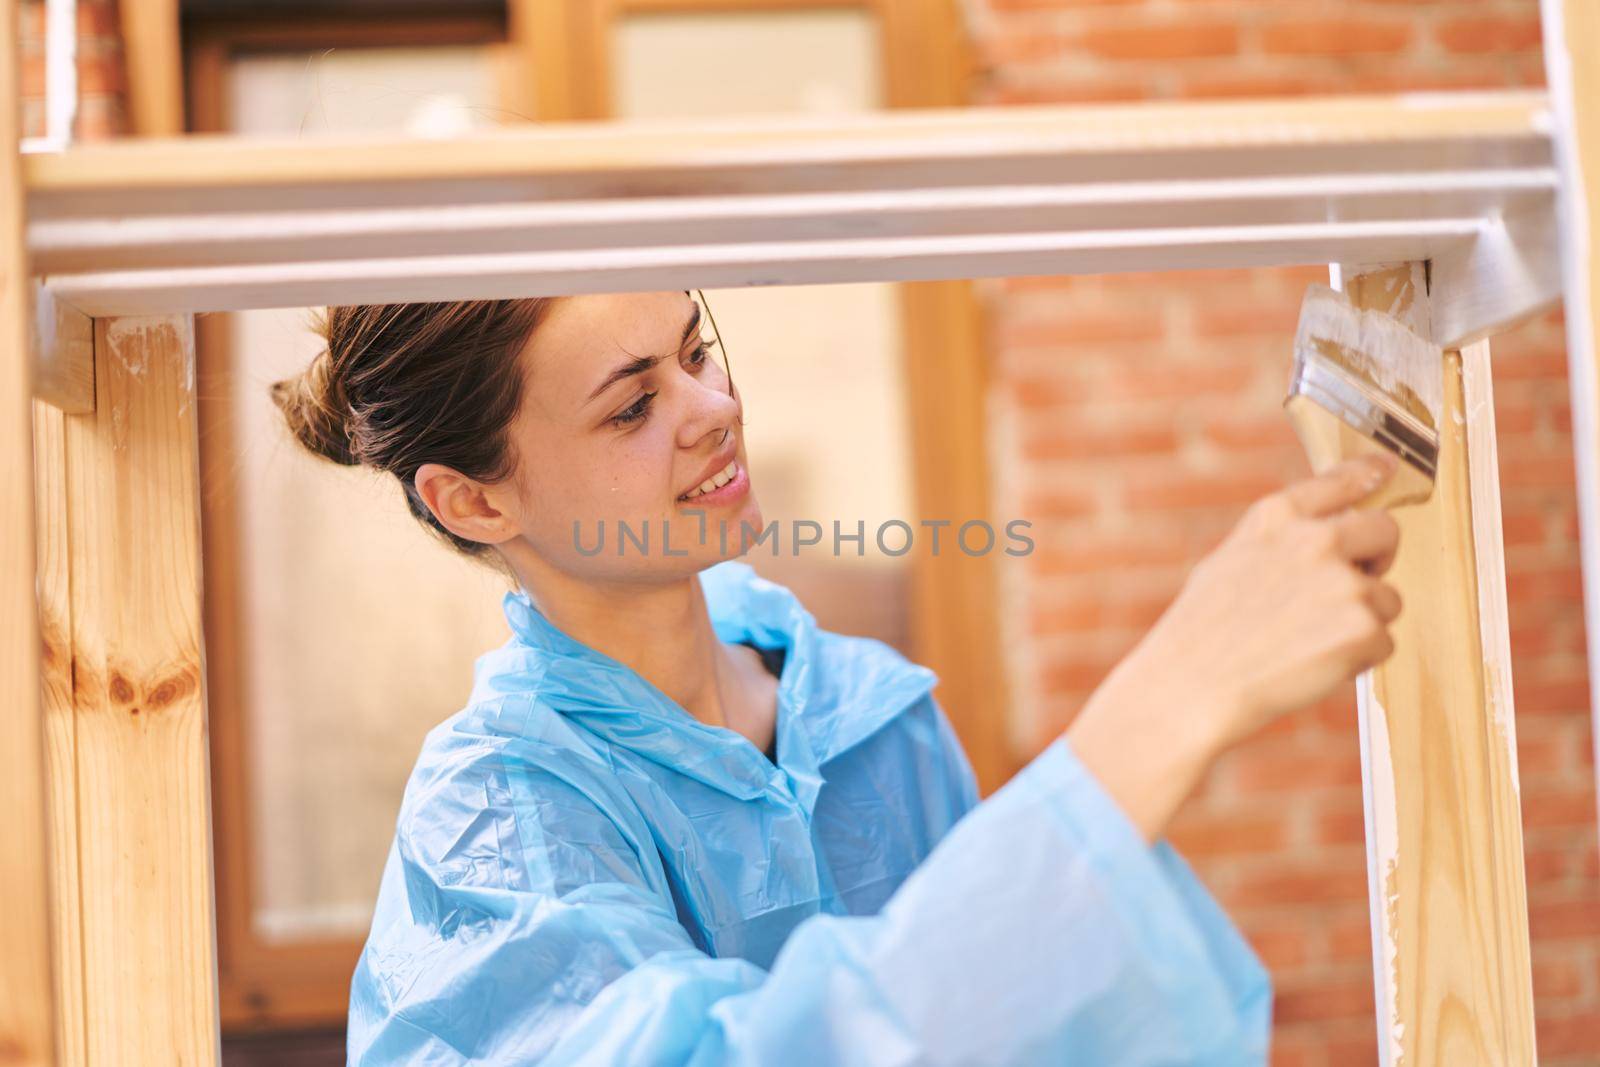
(661, 630)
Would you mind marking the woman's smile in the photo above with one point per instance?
(727, 485)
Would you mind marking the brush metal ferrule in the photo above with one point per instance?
(1354, 402)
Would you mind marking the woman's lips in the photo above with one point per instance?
(736, 487)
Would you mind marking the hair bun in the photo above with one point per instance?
(313, 404)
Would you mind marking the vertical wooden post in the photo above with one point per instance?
(54, 585)
(146, 915)
(27, 1009)
(1572, 64)
(1439, 759)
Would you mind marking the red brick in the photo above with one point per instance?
(1331, 37)
(1198, 834)
(1556, 979)
(1550, 808)
(1155, 379)
(101, 76)
(1181, 41)
(1546, 470)
(1571, 917)
(30, 21)
(1082, 442)
(1273, 318)
(1290, 1050)
(1347, 827)
(1523, 529)
(1558, 1035)
(1514, 419)
(1066, 616)
(31, 75)
(1090, 555)
(1545, 583)
(1057, 91)
(1524, 365)
(1353, 1049)
(1020, 46)
(1074, 675)
(1207, 85)
(1043, 393)
(1043, 504)
(1081, 328)
(99, 19)
(1294, 883)
(1350, 939)
(1245, 431)
(1256, 770)
(1544, 696)
(1489, 34)
(1349, 998)
(1169, 490)
(1279, 946)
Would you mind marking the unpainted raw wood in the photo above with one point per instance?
(144, 827)
(60, 729)
(27, 1008)
(1444, 832)
(1448, 129)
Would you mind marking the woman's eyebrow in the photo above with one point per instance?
(640, 364)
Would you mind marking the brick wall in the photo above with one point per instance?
(1137, 415)
(102, 86)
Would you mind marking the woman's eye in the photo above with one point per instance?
(635, 411)
(701, 351)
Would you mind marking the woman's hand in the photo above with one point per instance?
(1285, 610)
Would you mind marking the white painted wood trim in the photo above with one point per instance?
(209, 224)
(632, 269)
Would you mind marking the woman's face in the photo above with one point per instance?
(626, 416)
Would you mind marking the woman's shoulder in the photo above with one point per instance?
(481, 791)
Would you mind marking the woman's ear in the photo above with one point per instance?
(462, 505)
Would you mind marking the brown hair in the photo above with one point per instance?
(400, 385)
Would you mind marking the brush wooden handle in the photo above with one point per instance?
(1329, 440)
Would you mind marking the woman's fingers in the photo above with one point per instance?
(1384, 600)
(1341, 486)
(1367, 538)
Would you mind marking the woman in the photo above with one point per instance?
(676, 823)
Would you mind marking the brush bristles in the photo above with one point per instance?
(1406, 369)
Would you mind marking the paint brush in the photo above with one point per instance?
(1364, 382)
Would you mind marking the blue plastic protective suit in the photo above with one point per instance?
(583, 873)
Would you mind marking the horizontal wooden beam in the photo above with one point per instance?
(207, 224)
(1442, 130)
(513, 275)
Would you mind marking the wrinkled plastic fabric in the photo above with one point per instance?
(584, 874)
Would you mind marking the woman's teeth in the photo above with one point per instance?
(716, 481)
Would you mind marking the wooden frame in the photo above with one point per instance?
(1451, 963)
(96, 219)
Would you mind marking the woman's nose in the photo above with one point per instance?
(711, 410)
